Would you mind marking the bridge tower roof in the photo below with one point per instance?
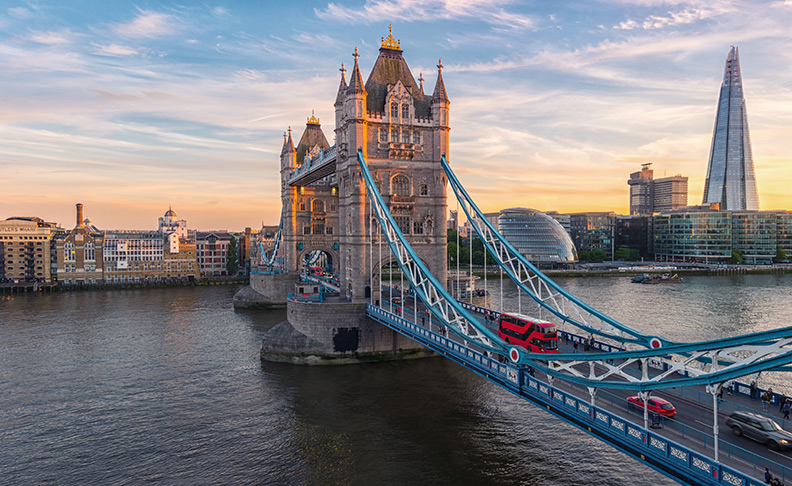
(389, 68)
(313, 135)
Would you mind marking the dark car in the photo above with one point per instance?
(760, 428)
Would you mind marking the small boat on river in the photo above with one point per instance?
(655, 279)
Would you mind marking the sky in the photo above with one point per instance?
(134, 107)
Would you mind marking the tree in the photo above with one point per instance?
(780, 255)
(232, 257)
(737, 257)
(627, 254)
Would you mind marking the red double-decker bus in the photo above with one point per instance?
(533, 334)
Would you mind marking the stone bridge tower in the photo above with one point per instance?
(403, 133)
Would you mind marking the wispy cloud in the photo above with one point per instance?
(687, 16)
(148, 24)
(489, 11)
(51, 38)
(114, 50)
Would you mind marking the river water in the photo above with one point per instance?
(165, 386)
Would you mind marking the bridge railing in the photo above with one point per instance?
(621, 433)
(325, 156)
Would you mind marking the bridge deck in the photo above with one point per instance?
(691, 428)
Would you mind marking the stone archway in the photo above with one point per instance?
(316, 259)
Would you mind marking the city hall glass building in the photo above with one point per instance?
(537, 236)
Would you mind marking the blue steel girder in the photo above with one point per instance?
(270, 262)
(434, 296)
(708, 362)
(538, 286)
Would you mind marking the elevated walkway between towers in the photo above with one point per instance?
(321, 166)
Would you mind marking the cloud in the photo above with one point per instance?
(49, 38)
(687, 16)
(489, 11)
(21, 13)
(114, 50)
(148, 24)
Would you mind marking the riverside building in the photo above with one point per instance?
(537, 236)
(79, 254)
(25, 250)
(703, 234)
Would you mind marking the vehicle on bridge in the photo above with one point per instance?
(533, 334)
(658, 405)
(760, 429)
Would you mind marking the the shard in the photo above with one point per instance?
(731, 181)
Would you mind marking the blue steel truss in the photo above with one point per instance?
(704, 363)
(271, 261)
(538, 286)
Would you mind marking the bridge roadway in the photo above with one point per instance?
(692, 426)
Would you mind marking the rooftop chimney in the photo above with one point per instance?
(79, 214)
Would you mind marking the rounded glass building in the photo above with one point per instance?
(540, 238)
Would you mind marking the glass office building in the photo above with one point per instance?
(537, 236)
(730, 174)
(707, 236)
(687, 236)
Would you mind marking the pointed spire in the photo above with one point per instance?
(342, 87)
(439, 90)
(288, 144)
(356, 80)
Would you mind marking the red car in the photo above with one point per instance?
(659, 405)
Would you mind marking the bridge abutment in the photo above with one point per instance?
(334, 333)
(266, 291)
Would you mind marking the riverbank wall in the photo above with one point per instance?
(34, 287)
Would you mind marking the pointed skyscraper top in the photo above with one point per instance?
(356, 80)
(731, 74)
(731, 181)
(439, 93)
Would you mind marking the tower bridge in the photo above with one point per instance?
(375, 203)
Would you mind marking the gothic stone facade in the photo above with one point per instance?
(403, 133)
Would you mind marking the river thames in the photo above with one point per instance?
(165, 386)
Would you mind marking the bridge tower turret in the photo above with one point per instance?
(440, 115)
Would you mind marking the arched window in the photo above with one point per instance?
(405, 111)
(317, 206)
(400, 185)
(394, 110)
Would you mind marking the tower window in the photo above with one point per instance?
(383, 134)
(394, 110)
(417, 137)
(400, 185)
(403, 222)
(405, 111)
(405, 137)
(394, 136)
(424, 189)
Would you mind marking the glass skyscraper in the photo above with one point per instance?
(730, 175)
